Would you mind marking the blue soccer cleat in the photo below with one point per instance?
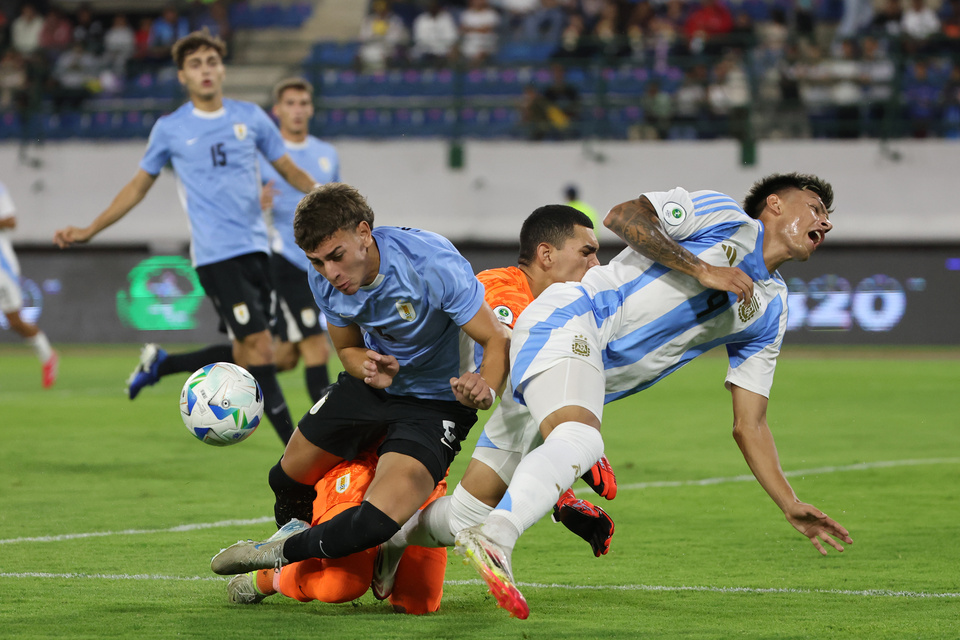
(147, 371)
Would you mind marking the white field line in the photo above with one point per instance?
(884, 593)
(882, 464)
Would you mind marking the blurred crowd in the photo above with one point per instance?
(68, 56)
(797, 68)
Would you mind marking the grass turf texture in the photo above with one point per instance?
(689, 561)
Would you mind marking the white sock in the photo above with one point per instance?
(546, 472)
(438, 524)
(41, 345)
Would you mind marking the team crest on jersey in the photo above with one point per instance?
(240, 130)
(731, 254)
(580, 346)
(241, 313)
(674, 213)
(749, 309)
(407, 312)
(343, 483)
(504, 315)
(325, 164)
(308, 317)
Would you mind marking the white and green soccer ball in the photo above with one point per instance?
(221, 404)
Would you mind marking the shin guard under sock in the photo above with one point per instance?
(348, 532)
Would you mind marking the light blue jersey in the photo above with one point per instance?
(638, 321)
(320, 160)
(413, 310)
(215, 157)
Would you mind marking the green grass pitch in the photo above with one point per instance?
(869, 436)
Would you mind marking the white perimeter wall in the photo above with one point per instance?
(905, 196)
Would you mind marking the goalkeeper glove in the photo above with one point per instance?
(584, 519)
(602, 479)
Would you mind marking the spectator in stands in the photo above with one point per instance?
(845, 91)
(89, 30)
(658, 111)
(25, 30)
(814, 76)
(877, 74)
(690, 103)
(728, 96)
(888, 20)
(215, 18)
(920, 23)
(478, 29)
(382, 36)
(13, 78)
(56, 36)
(562, 104)
(141, 38)
(164, 31)
(857, 15)
(119, 45)
(534, 123)
(532, 20)
(434, 35)
(950, 27)
(709, 23)
(607, 34)
(922, 98)
(790, 117)
(75, 73)
(574, 42)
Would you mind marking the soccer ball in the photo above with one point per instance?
(221, 404)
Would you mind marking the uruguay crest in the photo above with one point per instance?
(241, 313)
(240, 130)
(407, 312)
(343, 483)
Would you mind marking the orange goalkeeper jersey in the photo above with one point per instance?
(507, 292)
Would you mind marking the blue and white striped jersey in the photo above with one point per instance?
(413, 310)
(215, 157)
(320, 160)
(639, 321)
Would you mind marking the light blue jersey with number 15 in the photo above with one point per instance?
(215, 157)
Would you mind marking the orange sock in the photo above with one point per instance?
(265, 582)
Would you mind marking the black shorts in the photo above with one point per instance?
(298, 316)
(353, 415)
(242, 292)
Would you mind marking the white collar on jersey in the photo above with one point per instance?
(209, 115)
(296, 146)
(376, 283)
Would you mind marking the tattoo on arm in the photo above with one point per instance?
(636, 222)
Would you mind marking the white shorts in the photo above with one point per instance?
(11, 297)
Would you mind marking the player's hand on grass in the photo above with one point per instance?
(379, 369)
(602, 479)
(472, 390)
(817, 526)
(729, 279)
(63, 238)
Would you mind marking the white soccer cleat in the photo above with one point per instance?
(493, 564)
(242, 589)
(246, 555)
(385, 569)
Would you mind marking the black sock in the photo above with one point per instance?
(348, 532)
(293, 499)
(190, 362)
(317, 381)
(274, 404)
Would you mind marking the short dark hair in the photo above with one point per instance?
(756, 198)
(195, 41)
(291, 83)
(326, 210)
(553, 224)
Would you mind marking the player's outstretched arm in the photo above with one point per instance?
(636, 223)
(476, 389)
(293, 174)
(127, 198)
(753, 435)
(376, 369)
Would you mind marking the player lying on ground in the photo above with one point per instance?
(419, 585)
(699, 272)
(557, 244)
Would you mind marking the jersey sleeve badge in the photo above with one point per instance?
(504, 315)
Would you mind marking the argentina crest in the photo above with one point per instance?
(407, 312)
(240, 130)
